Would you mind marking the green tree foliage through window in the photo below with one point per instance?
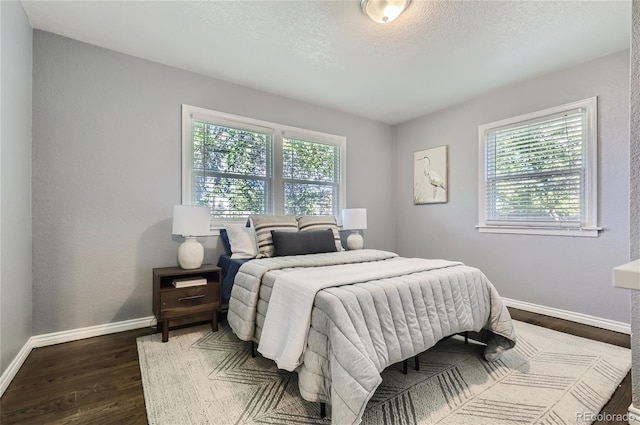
(311, 173)
(534, 172)
(231, 169)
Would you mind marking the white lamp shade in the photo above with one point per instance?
(190, 220)
(384, 11)
(354, 218)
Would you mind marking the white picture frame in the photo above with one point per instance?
(431, 176)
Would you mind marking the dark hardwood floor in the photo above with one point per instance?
(90, 381)
(97, 380)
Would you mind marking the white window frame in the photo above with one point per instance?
(276, 201)
(589, 210)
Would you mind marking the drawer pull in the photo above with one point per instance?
(195, 297)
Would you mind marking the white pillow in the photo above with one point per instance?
(242, 240)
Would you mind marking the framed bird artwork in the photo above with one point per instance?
(430, 176)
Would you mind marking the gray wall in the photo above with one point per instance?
(634, 161)
(106, 160)
(562, 272)
(15, 181)
(634, 246)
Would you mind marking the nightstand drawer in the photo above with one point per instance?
(188, 297)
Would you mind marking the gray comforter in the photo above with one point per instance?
(359, 329)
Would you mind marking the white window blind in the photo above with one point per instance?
(231, 168)
(240, 166)
(539, 171)
(311, 176)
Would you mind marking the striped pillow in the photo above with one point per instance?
(264, 224)
(308, 223)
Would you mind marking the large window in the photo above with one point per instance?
(538, 172)
(238, 166)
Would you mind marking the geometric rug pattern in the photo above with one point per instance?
(549, 378)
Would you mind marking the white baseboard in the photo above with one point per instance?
(67, 336)
(88, 332)
(584, 319)
(634, 415)
(14, 366)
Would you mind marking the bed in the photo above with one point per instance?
(339, 318)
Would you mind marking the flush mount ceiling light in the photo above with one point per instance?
(384, 11)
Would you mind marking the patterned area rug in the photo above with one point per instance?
(201, 377)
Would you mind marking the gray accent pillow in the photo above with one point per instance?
(264, 224)
(300, 243)
(308, 223)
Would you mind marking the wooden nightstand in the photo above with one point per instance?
(189, 304)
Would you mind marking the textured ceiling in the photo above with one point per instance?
(436, 54)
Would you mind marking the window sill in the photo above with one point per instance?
(592, 232)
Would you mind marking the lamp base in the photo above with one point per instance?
(355, 240)
(190, 253)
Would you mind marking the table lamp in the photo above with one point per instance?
(190, 221)
(354, 219)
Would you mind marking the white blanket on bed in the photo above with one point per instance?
(286, 324)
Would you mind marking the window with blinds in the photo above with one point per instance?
(231, 168)
(539, 172)
(239, 166)
(311, 177)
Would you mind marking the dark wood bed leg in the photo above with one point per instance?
(323, 410)
(466, 338)
(416, 360)
(165, 331)
(253, 349)
(405, 368)
(214, 321)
